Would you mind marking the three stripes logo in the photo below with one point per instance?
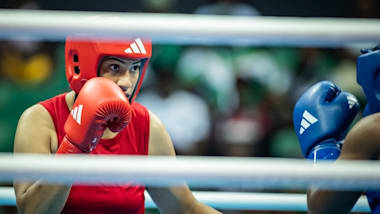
(136, 47)
(307, 120)
(351, 101)
(77, 113)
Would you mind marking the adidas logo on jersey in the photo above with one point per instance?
(307, 120)
(77, 113)
(351, 101)
(136, 47)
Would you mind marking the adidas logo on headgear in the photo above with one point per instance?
(136, 47)
(307, 120)
(77, 113)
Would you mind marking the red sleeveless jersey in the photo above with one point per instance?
(133, 140)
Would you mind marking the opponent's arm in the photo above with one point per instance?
(361, 143)
(35, 133)
(321, 117)
(177, 199)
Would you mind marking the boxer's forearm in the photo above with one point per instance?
(202, 208)
(43, 198)
(329, 201)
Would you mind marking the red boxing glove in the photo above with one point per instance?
(100, 104)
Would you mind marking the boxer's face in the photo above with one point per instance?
(124, 72)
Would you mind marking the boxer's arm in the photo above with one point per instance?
(36, 134)
(328, 201)
(177, 199)
(361, 143)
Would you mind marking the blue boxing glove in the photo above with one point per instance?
(368, 77)
(321, 118)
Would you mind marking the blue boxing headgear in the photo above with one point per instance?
(368, 76)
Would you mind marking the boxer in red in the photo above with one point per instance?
(99, 116)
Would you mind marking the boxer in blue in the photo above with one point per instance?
(368, 76)
(322, 117)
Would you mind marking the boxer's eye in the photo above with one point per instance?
(115, 68)
(135, 67)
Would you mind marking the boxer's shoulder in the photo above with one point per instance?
(35, 130)
(362, 142)
(36, 114)
(373, 118)
(370, 123)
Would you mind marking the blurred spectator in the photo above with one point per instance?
(25, 62)
(237, 121)
(210, 72)
(366, 9)
(185, 115)
(244, 133)
(315, 64)
(26, 75)
(227, 7)
(285, 144)
(344, 71)
(158, 6)
(261, 66)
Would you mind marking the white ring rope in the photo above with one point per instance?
(190, 28)
(195, 171)
(228, 200)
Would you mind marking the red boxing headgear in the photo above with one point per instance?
(84, 54)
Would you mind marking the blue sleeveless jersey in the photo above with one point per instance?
(374, 201)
